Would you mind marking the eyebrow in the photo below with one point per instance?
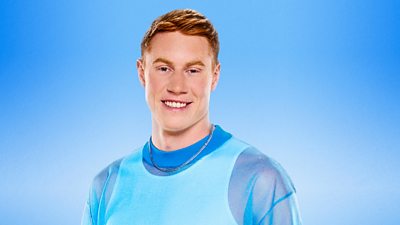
(166, 61)
(197, 62)
(162, 60)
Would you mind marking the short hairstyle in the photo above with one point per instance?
(186, 21)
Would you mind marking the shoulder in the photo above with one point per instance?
(263, 170)
(100, 180)
(253, 161)
(107, 176)
(257, 184)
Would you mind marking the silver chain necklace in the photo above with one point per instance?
(187, 162)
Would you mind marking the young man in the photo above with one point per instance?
(190, 171)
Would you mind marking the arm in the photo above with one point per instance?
(99, 196)
(284, 212)
(261, 192)
(87, 217)
(275, 197)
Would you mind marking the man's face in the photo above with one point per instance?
(178, 73)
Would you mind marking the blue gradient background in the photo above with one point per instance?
(314, 84)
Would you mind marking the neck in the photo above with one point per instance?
(170, 140)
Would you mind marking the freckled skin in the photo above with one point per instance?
(178, 67)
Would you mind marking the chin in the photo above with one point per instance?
(173, 125)
(174, 128)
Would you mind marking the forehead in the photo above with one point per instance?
(178, 47)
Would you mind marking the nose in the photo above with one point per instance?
(177, 84)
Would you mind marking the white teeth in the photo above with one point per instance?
(175, 104)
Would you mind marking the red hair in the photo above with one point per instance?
(186, 21)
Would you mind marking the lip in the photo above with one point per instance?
(174, 100)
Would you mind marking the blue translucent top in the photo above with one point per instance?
(258, 189)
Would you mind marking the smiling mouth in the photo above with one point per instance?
(175, 104)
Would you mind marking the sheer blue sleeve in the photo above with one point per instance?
(87, 217)
(261, 192)
(99, 195)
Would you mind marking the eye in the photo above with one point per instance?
(163, 69)
(193, 70)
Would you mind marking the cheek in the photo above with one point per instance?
(152, 85)
(151, 90)
(203, 91)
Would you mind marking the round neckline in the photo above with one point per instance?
(177, 157)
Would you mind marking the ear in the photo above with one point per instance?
(215, 78)
(140, 70)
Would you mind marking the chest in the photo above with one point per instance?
(197, 196)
